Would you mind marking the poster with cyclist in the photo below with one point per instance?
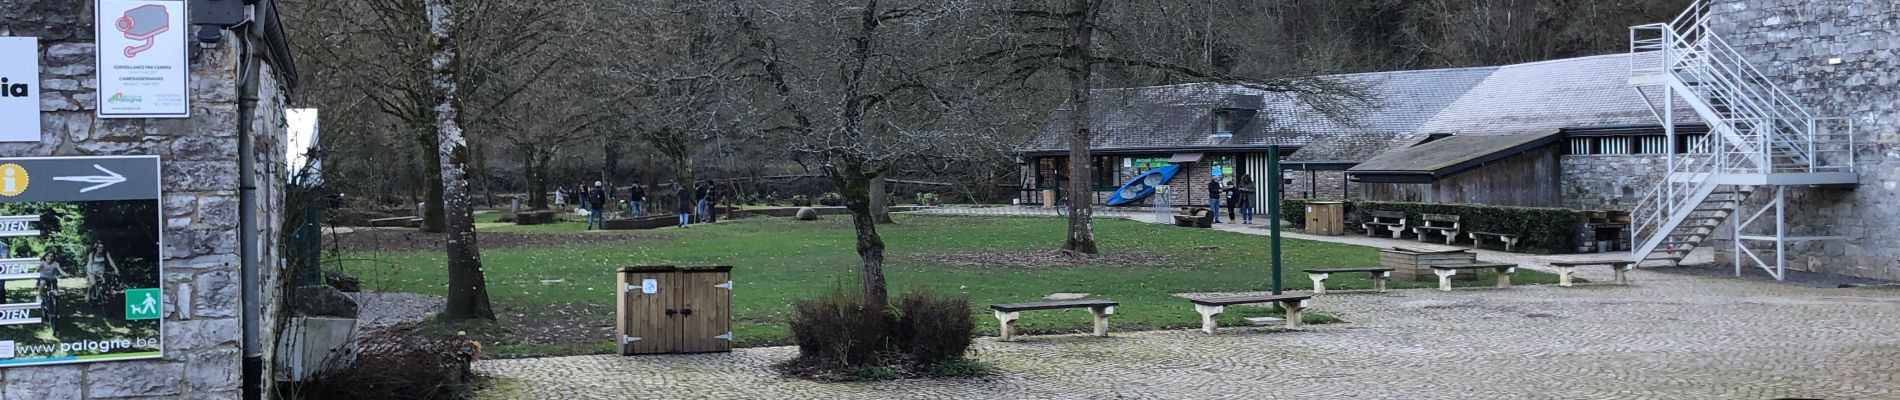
(80, 260)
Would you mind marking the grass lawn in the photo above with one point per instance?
(778, 261)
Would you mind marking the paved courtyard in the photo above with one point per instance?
(1668, 336)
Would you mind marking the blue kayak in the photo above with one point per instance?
(1142, 186)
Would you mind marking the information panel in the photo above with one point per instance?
(79, 260)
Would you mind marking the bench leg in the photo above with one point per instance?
(1397, 231)
(1378, 280)
(1477, 242)
(1293, 309)
(1444, 278)
(1504, 276)
(1101, 319)
(1319, 283)
(1450, 237)
(1208, 315)
(1622, 274)
(1563, 275)
(1006, 322)
(1510, 245)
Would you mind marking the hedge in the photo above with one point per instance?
(1548, 230)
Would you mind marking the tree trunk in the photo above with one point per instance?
(468, 289)
(880, 201)
(857, 198)
(538, 172)
(1081, 224)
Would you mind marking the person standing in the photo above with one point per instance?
(1244, 193)
(636, 201)
(700, 191)
(685, 197)
(596, 197)
(1214, 192)
(560, 198)
(712, 201)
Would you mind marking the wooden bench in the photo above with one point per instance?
(1194, 217)
(1565, 269)
(396, 222)
(1510, 240)
(1390, 220)
(1379, 275)
(1441, 224)
(1211, 308)
(1445, 272)
(1007, 314)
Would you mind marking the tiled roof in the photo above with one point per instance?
(1446, 152)
(1549, 95)
(1180, 116)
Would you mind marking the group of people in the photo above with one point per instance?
(1239, 194)
(695, 203)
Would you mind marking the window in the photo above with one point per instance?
(1637, 144)
(1053, 172)
(1223, 123)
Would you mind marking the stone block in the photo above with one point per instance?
(133, 379)
(213, 370)
(49, 383)
(199, 334)
(215, 294)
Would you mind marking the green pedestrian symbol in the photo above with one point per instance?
(142, 304)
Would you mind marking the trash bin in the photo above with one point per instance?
(1326, 218)
(667, 309)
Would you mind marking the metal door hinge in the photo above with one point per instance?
(726, 286)
(725, 337)
(630, 339)
(630, 288)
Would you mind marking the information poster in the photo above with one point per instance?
(79, 260)
(19, 89)
(143, 63)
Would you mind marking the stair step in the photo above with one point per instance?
(1679, 242)
(1663, 257)
(1712, 210)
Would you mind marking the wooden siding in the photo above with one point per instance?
(1530, 179)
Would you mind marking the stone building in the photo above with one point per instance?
(1588, 133)
(203, 353)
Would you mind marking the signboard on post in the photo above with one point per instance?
(80, 263)
(144, 69)
(19, 89)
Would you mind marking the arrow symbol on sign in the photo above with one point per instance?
(112, 178)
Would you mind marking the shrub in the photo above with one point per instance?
(841, 336)
(840, 331)
(397, 363)
(831, 199)
(928, 199)
(933, 328)
(1293, 211)
(1552, 230)
(801, 201)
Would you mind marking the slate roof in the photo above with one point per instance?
(1549, 95)
(1440, 156)
(1179, 117)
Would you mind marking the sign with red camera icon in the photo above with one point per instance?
(144, 69)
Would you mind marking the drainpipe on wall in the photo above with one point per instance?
(253, 376)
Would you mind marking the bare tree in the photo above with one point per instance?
(467, 288)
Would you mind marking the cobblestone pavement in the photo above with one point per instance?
(1668, 336)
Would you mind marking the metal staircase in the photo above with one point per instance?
(1760, 141)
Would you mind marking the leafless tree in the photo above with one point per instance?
(467, 288)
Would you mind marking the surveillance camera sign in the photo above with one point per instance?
(19, 89)
(143, 70)
(80, 260)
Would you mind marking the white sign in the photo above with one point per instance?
(19, 89)
(649, 286)
(6, 349)
(143, 65)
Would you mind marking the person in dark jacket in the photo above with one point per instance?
(636, 201)
(699, 200)
(712, 201)
(1244, 194)
(1214, 192)
(596, 198)
(686, 204)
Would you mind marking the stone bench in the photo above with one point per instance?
(1388, 220)
(1211, 308)
(1007, 314)
(1566, 269)
(1440, 224)
(1510, 240)
(1379, 275)
(1445, 272)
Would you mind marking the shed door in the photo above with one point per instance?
(647, 326)
(709, 328)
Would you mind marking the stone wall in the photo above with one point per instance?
(203, 355)
(1609, 182)
(1317, 185)
(1792, 41)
